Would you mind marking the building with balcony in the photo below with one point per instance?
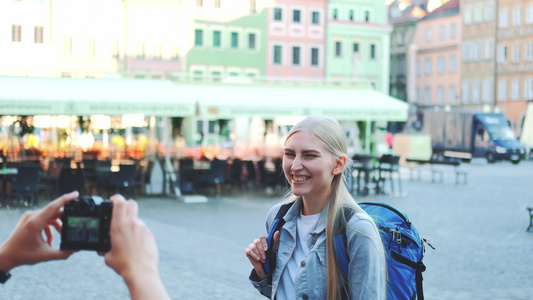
(514, 72)
(478, 54)
(437, 42)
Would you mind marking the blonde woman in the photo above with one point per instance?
(306, 267)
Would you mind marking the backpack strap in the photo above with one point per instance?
(270, 264)
(340, 241)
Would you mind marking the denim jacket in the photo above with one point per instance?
(366, 274)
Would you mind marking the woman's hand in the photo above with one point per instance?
(256, 253)
(26, 244)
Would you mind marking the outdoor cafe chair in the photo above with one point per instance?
(388, 165)
(215, 176)
(50, 180)
(25, 185)
(123, 181)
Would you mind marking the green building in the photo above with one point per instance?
(233, 48)
(358, 43)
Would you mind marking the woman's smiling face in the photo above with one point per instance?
(308, 166)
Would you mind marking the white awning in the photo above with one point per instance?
(67, 96)
(230, 101)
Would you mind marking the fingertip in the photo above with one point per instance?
(117, 198)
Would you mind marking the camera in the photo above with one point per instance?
(86, 223)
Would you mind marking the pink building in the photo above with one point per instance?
(438, 57)
(296, 35)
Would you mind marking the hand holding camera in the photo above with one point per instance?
(86, 224)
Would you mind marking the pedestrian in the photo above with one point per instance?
(133, 254)
(306, 268)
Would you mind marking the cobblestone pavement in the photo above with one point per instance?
(482, 248)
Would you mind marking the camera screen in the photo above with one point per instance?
(83, 229)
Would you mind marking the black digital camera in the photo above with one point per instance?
(86, 224)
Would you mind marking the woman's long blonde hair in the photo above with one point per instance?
(331, 134)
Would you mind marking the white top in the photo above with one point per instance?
(304, 226)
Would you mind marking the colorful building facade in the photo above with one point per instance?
(514, 74)
(296, 35)
(358, 43)
(437, 39)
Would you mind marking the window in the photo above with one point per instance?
(400, 38)
(442, 32)
(502, 91)
(516, 52)
(115, 49)
(440, 95)
(315, 18)
(529, 51)
(158, 52)
(278, 14)
(216, 39)
(487, 90)
(338, 49)
(234, 40)
(314, 57)
(197, 75)
(442, 65)
(277, 55)
(452, 95)
(528, 88)
(489, 46)
(351, 15)
(429, 34)
(373, 53)
(466, 92)
(367, 16)
(216, 75)
(296, 18)
(529, 14)
(418, 68)
(38, 34)
(476, 91)
(466, 52)
(515, 89)
(453, 30)
(478, 14)
(199, 3)
(517, 16)
(502, 53)
(16, 33)
(251, 41)
(296, 56)
(427, 95)
(428, 68)
(504, 18)
(476, 51)
(217, 3)
(91, 48)
(468, 16)
(489, 12)
(356, 48)
(198, 37)
(453, 64)
(67, 46)
(211, 126)
(335, 13)
(140, 51)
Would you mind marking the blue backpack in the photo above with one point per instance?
(404, 249)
